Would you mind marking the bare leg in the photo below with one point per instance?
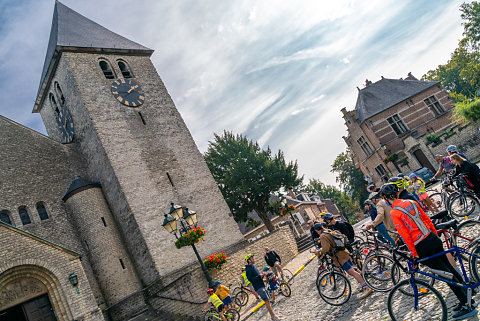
(356, 275)
(269, 308)
(451, 260)
(222, 316)
(279, 267)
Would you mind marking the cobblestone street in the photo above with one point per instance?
(305, 302)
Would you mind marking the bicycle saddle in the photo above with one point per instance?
(439, 215)
(446, 225)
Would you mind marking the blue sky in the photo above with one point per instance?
(276, 71)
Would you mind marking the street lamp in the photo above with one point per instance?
(187, 219)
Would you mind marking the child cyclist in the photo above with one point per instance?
(224, 294)
(216, 302)
(272, 281)
(418, 187)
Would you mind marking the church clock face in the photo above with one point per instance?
(65, 124)
(127, 92)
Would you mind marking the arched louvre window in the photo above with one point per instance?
(42, 211)
(60, 94)
(5, 217)
(23, 213)
(107, 69)
(126, 73)
(53, 101)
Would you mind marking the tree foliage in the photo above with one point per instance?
(344, 202)
(467, 111)
(461, 74)
(351, 179)
(248, 175)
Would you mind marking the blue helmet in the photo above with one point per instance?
(217, 283)
(266, 268)
(328, 216)
(318, 226)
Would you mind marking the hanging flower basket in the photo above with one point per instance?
(287, 209)
(390, 158)
(191, 237)
(215, 261)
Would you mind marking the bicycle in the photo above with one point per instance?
(283, 289)
(213, 314)
(465, 202)
(411, 291)
(333, 285)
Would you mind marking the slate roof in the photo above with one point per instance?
(78, 184)
(73, 32)
(386, 93)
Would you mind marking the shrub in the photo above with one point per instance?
(433, 138)
(467, 112)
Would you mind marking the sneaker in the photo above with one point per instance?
(366, 291)
(459, 306)
(275, 318)
(464, 312)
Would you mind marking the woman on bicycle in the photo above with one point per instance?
(469, 170)
(419, 234)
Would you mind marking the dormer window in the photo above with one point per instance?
(107, 69)
(126, 73)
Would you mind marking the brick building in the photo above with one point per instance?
(81, 210)
(392, 118)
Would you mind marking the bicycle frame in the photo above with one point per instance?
(448, 235)
(413, 269)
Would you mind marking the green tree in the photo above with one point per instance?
(349, 177)
(344, 202)
(248, 175)
(471, 16)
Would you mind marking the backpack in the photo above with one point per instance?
(350, 229)
(339, 239)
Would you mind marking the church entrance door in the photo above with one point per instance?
(38, 309)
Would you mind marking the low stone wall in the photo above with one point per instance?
(182, 295)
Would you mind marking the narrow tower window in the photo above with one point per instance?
(53, 102)
(23, 213)
(5, 217)
(141, 117)
(122, 264)
(126, 73)
(60, 96)
(103, 221)
(170, 179)
(107, 70)
(42, 211)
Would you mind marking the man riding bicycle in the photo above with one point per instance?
(420, 235)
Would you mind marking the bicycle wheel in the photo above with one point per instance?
(288, 275)
(398, 275)
(208, 316)
(467, 231)
(334, 288)
(474, 263)
(401, 306)
(376, 272)
(241, 298)
(462, 206)
(232, 315)
(285, 289)
(437, 199)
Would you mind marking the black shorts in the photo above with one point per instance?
(220, 308)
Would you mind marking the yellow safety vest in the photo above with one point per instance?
(245, 280)
(216, 300)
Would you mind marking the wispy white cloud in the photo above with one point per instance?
(276, 71)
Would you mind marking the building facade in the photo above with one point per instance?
(387, 130)
(81, 210)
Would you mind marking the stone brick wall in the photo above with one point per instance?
(133, 161)
(46, 267)
(184, 292)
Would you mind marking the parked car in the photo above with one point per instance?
(424, 173)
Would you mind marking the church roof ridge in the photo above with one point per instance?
(39, 238)
(72, 31)
(31, 130)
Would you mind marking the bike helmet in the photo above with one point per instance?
(400, 175)
(243, 269)
(451, 149)
(217, 283)
(248, 256)
(389, 190)
(318, 226)
(373, 195)
(327, 216)
(209, 291)
(367, 202)
(399, 182)
(412, 175)
(266, 268)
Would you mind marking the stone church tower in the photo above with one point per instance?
(118, 154)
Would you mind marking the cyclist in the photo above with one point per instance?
(224, 294)
(341, 258)
(404, 194)
(343, 227)
(418, 187)
(445, 165)
(274, 261)
(257, 282)
(272, 281)
(470, 172)
(216, 302)
(383, 213)
(380, 227)
(419, 234)
(248, 285)
(452, 150)
(313, 233)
